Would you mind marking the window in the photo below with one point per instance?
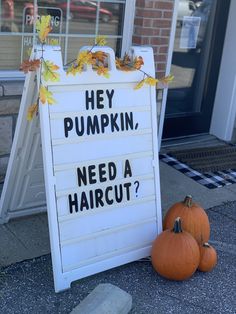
(74, 24)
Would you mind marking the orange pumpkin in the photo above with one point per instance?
(175, 253)
(194, 219)
(208, 257)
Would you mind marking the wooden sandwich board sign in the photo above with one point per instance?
(101, 170)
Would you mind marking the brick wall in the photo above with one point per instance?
(10, 96)
(152, 27)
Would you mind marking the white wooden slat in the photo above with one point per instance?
(62, 115)
(89, 222)
(73, 216)
(140, 165)
(73, 255)
(87, 162)
(101, 149)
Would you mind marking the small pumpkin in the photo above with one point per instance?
(175, 253)
(193, 216)
(208, 257)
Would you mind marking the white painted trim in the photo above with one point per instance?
(168, 67)
(128, 26)
(224, 111)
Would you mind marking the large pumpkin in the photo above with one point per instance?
(194, 219)
(175, 253)
(208, 257)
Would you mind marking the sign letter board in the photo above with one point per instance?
(100, 156)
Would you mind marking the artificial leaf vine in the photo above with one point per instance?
(98, 60)
(48, 70)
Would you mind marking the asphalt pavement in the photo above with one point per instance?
(27, 287)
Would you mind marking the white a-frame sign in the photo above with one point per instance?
(101, 171)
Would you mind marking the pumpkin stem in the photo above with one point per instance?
(206, 244)
(177, 226)
(188, 201)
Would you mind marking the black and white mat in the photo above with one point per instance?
(210, 180)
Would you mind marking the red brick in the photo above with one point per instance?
(146, 41)
(159, 41)
(168, 14)
(147, 22)
(138, 21)
(140, 3)
(137, 40)
(163, 49)
(164, 5)
(165, 32)
(149, 4)
(161, 58)
(162, 23)
(152, 13)
(161, 67)
(160, 74)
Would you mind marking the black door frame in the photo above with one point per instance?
(184, 125)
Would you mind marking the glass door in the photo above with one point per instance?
(196, 59)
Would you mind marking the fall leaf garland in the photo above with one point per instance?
(97, 60)
(48, 70)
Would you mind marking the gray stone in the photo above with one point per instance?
(9, 106)
(6, 135)
(12, 88)
(105, 299)
(3, 165)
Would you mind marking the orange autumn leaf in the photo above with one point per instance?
(138, 62)
(32, 111)
(99, 56)
(30, 65)
(46, 96)
(127, 65)
(43, 27)
(103, 71)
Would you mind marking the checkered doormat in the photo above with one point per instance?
(211, 180)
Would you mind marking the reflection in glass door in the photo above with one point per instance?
(196, 58)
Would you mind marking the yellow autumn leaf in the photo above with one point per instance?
(72, 70)
(32, 111)
(165, 81)
(103, 71)
(43, 27)
(100, 41)
(151, 81)
(49, 73)
(46, 96)
(54, 42)
(85, 57)
(139, 85)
